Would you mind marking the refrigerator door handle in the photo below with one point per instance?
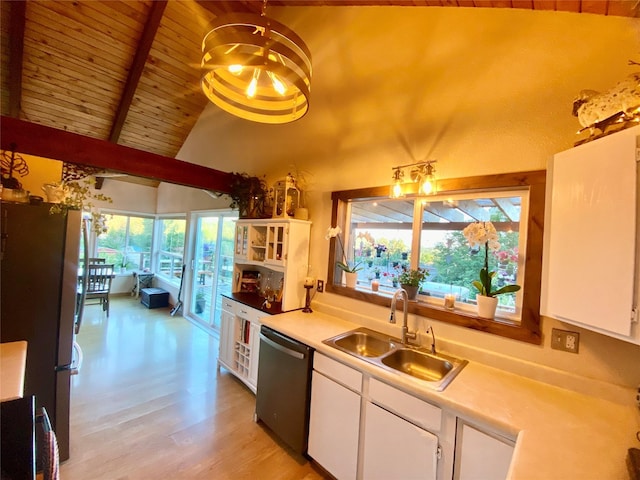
(74, 366)
(78, 357)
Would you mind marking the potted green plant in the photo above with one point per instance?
(410, 279)
(249, 195)
(479, 234)
(350, 270)
(200, 301)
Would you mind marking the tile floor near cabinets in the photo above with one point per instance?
(149, 403)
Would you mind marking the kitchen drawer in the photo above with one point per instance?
(248, 313)
(229, 305)
(337, 371)
(413, 409)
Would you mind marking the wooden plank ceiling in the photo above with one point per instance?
(128, 71)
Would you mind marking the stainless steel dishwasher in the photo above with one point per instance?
(284, 387)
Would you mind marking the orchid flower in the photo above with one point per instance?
(480, 234)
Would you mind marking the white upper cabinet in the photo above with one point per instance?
(590, 272)
(279, 250)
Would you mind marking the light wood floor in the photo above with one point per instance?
(149, 403)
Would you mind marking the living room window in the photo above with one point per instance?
(386, 235)
(171, 234)
(127, 242)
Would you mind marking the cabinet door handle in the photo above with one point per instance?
(283, 349)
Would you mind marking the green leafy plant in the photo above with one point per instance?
(249, 195)
(411, 277)
(79, 195)
(344, 264)
(480, 234)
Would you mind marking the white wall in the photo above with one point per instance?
(176, 199)
(501, 102)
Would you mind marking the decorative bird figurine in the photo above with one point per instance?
(599, 110)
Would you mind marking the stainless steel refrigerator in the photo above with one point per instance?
(38, 282)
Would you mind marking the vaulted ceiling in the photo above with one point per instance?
(127, 72)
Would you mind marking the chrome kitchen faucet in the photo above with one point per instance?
(406, 334)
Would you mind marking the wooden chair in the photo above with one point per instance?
(98, 285)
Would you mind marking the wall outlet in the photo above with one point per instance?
(320, 287)
(565, 340)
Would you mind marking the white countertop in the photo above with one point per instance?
(13, 361)
(560, 434)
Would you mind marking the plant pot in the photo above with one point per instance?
(412, 291)
(200, 304)
(351, 278)
(486, 306)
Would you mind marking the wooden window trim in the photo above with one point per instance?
(529, 328)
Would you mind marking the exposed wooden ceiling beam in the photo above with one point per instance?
(47, 142)
(625, 8)
(135, 72)
(220, 7)
(16, 53)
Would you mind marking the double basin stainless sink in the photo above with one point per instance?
(388, 353)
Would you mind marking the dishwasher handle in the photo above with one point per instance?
(282, 348)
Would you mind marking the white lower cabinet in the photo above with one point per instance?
(362, 428)
(225, 354)
(334, 424)
(481, 455)
(396, 448)
(365, 429)
(240, 341)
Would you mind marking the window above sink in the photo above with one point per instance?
(385, 235)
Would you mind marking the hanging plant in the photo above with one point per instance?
(249, 195)
(79, 195)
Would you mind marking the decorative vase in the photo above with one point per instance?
(412, 291)
(486, 306)
(351, 278)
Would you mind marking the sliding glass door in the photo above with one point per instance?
(212, 265)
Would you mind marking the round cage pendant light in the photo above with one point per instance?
(256, 68)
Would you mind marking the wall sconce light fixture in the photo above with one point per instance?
(421, 173)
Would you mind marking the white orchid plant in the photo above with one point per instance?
(334, 232)
(479, 234)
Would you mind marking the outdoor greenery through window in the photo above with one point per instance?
(171, 233)
(127, 242)
(385, 237)
(383, 232)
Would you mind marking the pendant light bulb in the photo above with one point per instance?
(235, 69)
(253, 86)
(278, 86)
